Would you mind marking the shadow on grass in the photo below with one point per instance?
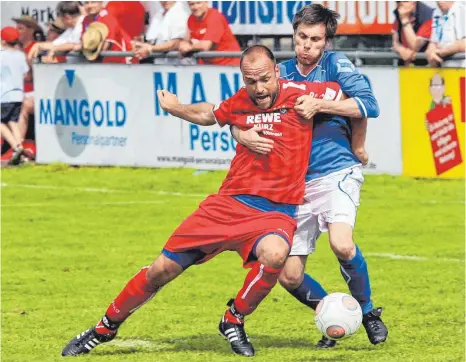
(210, 343)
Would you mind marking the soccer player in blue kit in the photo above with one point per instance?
(334, 177)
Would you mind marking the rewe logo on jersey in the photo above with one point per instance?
(264, 118)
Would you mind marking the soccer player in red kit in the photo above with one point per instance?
(252, 213)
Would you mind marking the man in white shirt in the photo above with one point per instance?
(448, 34)
(167, 28)
(14, 70)
(69, 12)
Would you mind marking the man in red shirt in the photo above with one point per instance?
(253, 211)
(209, 30)
(117, 38)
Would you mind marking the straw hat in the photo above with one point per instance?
(93, 40)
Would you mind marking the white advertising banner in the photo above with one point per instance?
(94, 114)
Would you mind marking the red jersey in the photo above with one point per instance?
(214, 27)
(280, 175)
(130, 15)
(118, 38)
(28, 85)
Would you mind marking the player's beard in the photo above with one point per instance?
(271, 98)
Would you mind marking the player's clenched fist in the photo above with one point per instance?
(168, 101)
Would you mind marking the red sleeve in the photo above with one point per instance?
(330, 91)
(215, 28)
(425, 30)
(222, 112)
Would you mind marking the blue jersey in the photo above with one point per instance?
(331, 144)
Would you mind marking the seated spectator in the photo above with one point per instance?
(69, 14)
(117, 39)
(167, 28)
(209, 30)
(447, 36)
(418, 16)
(130, 15)
(14, 70)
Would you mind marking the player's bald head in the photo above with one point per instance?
(257, 53)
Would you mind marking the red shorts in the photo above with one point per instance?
(223, 223)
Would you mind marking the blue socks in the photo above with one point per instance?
(355, 273)
(310, 292)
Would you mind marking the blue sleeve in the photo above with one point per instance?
(353, 84)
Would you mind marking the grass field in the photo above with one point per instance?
(72, 237)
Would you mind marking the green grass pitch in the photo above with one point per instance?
(72, 237)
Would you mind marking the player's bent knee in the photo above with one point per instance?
(290, 280)
(162, 271)
(272, 251)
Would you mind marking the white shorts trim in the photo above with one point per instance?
(330, 199)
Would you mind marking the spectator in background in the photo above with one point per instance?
(55, 29)
(14, 70)
(167, 28)
(68, 13)
(418, 16)
(29, 33)
(208, 30)
(130, 15)
(447, 35)
(117, 38)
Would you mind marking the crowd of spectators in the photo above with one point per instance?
(91, 27)
(439, 32)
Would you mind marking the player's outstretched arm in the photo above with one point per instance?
(199, 113)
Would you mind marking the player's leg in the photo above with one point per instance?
(358, 139)
(271, 252)
(293, 278)
(140, 289)
(353, 266)
(299, 284)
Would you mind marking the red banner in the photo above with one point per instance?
(443, 138)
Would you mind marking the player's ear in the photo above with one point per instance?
(277, 70)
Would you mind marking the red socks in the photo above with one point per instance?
(257, 285)
(137, 292)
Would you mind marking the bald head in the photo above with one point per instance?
(260, 75)
(257, 53)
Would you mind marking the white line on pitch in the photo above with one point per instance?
(52, 204)
(103, 190)
(412, 257)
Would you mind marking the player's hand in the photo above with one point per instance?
(307, 106)
(184, 47)
(168, 101)
(252, 140)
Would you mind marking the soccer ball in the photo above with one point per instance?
(338, 316)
